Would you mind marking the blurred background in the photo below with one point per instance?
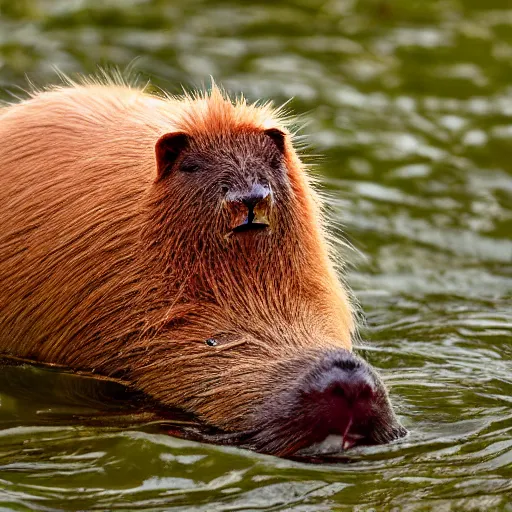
(407, 105)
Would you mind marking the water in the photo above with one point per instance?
(409, 102)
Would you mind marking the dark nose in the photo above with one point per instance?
(250, 209)
(340, 389)
(257, 194)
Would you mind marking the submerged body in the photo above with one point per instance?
(178, 244)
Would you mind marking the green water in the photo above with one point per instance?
(409, 104)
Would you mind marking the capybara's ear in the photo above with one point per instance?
(278, 136)
(168, 148)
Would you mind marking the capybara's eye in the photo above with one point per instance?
(189, 167)
(211, 342)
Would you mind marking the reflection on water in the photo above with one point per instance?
(410, 104)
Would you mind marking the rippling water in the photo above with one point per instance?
(409, 103)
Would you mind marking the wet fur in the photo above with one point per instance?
(105, 267)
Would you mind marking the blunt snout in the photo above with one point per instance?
(250, 209)
(340, 389)
(347, 384)
(339, 397)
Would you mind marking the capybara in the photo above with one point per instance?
(177, 243)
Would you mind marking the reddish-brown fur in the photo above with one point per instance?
(106, 268)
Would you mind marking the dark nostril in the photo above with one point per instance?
(251, 201)
(352, 386)
(346, 364)
(344, 378)
(252, 198)
(257, 194)
(250, 210)
(338, 391)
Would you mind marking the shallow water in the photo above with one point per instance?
(409, 102)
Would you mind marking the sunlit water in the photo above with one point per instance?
(409, 103)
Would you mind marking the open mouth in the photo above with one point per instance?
(252, 226)
(304, 445)
(333, 447)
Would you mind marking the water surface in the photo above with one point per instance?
(409, 104)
